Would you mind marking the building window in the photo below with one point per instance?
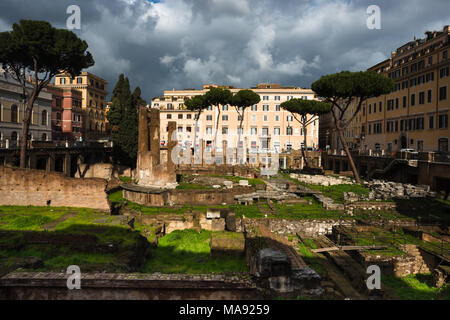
(224, 130)
(404, 101)
(169, 106)
(265, 98)
(277, 98)
(429, 95)
(265, 117)
(443, 121)
(431, 122)
(225, 117)
(413, 99)
(188, 129)
(276, 131)
(380, 106)
(411, 125)
(254, 117)
(254, 107)
(180, 129)
(444, 72)
(14, 113)
(225, 107)
(396, 103)
(169, 116)
(180, 116)
(443, 93)
(209, 108)
(208, 130)
(277, 118)
(419, 123)
(444, 55)
(44, 117)
(443, 145)
(44, 137)
(79, 80)
(62, 80)
(265, 107)
(209, 117)
(422, 97)
(253, 131)
(277, 107)
(189, 116)
(289, 131)
(289, 118)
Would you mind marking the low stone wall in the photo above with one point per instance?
(102, 170)
(309, 228)
(53, 286)
(199, 197)
(206, 196)
(25, 187)
(372, 205)
(232, 170)
(171, 222)
(399, 266)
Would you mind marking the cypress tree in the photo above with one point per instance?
(123, 117)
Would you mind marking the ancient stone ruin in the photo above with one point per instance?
(151, 170)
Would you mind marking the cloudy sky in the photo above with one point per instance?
(187, 43)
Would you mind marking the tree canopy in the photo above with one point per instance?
(305, 107)
(245, 98)
(300, 110)
(197, 104)
(123, 117)
(345, 89)
(217, 96)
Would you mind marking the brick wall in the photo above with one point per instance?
(40, 188)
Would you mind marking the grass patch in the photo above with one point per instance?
(416, 287)
(185, 185)
(188, 251)
(126, 179)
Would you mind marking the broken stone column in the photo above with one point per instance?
(155, 141)
(171, 144)
(149, 170)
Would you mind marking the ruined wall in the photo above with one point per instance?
(308, 228)
(205, 197)
(52, 286)
(39, 188)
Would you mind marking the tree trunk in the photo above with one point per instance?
(25, 128)
(217, 128)
(349, 156)
(239, 135)
(304, 146)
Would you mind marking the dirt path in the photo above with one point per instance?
(52, 225)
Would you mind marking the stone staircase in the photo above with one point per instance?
(419, 266)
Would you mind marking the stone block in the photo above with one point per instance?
(212, 213)
(243, 183)
(273, 263)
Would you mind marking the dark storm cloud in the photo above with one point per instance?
(186, 43)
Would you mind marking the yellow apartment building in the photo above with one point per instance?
(415, 114)
(93, 90)
(266, 126)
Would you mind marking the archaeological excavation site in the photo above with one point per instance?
(218, 231)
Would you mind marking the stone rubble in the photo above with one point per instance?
(387, 190)
(321, 179)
